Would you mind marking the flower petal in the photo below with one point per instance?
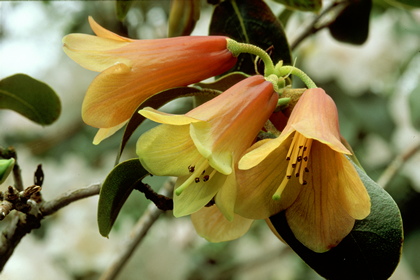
(91, 51)
(234, 119)
(211, 224)
(104, 133)
(258, 184)
(197, 195)
(161, 117)
(315, 116)
(226, 197)
(167, 150)
(352, 192)
(317, 217)
(104, 33)
(259, 152)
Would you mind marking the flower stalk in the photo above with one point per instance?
(237, 48)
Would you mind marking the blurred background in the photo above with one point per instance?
(375, 85)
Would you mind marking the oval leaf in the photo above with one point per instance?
(352, 24)
(115, 190)
(251, 21)
(372, 249)
(31, 98)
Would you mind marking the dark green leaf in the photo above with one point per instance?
(157, 101)
(302, 5)
(352, 24)
(414, 103)
(251, 21)
(372, 249)
(31, 98)
(115, 190)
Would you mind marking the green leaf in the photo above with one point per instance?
(6, 166)
(251, 21)
(352, 24)
(414, 103)
(156, 101)
(302, 5)
(372, 249)
(31, 98)
(115, 190)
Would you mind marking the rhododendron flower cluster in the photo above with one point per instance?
(226, 176)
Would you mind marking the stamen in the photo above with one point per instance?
(292, 145)
(298, 154)
(194, 177)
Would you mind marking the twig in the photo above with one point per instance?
(24, 223)
(396, 165)
(314, 26)
(50, 207)
(139, 231)
(162, 202)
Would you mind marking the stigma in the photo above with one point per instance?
(298, 159)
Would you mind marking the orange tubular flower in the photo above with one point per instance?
(306, 173)
(202, 147)
(133, 70)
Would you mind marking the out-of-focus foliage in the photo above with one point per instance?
(183, 16)
(414, 102)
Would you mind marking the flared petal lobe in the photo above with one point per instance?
(134, 70)
(210, 223)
